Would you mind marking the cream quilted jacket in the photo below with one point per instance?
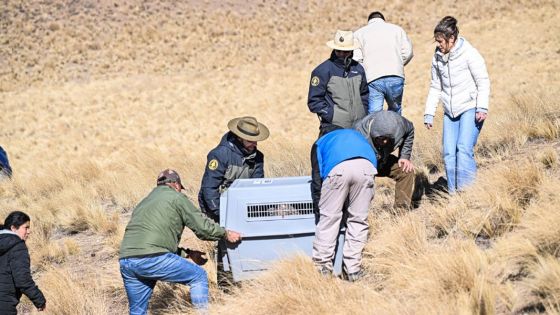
(460, 80)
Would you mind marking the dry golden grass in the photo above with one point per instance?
(67, 295)
(99, 96)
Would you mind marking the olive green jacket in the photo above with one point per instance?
(158, 221)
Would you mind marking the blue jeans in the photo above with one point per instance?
(389, 89)
(141, 274)
(459, 138)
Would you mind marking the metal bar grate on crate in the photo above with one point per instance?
(280, 210)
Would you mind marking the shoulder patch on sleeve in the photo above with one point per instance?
(213, 164)
(315, 81)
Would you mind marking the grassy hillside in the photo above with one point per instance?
(99, 96)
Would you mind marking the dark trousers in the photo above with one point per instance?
(404, 182)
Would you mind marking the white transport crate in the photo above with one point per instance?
(275, 217)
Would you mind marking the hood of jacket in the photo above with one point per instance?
(8, 239)
(382, 123)
(384, 126)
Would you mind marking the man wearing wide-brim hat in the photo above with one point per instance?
(235, 157)
(338, 91)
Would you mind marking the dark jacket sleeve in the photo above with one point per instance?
(20, 265)
(316, 180)
(259, 166)
(317, 97)
(202, 226)
(4, 163)
(212, 179)
(405, 151)
(364, 90)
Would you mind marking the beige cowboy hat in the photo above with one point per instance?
(248, 128)
(343, 40)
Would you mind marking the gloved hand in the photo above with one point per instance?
(196, 256)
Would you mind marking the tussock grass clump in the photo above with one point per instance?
(523, 183)
(539, 118)
(544, 283)
(290, 283)
(534, 237)
(400, 239)
(55, 253)
(517, 257)
(67, 295)
(549, 158)
(458, 273)
(529, 118)
(492, 206)
(539, 227)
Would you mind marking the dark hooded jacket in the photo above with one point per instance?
(338, 92)
(15, 274)
(225, 163)
(391, 125)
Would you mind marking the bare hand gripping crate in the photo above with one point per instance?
(275, 217)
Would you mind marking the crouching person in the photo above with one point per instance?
(387, 131)
(149, 251)
(343, 170)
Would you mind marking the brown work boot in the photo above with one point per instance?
(355, 276)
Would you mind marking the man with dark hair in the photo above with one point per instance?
(384, 49)
(235, 157)
(149, 251)
(387, 131)
(338, 91)
(376, 14)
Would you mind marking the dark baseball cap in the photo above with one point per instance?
(169, 176)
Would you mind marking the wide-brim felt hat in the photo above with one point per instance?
(343, 40)
(248, 128)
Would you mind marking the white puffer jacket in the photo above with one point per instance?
(460, 80)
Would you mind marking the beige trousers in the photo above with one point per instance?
(351, 182)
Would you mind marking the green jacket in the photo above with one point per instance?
(158, 221)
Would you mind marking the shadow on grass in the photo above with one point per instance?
(423, 189)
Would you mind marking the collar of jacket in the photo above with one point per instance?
(236, 146)
(455, 52)
(6, 231)
(163, 187)
(339, 62)
(376, 20)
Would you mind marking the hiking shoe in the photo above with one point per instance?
(324, 271)
(355, 276)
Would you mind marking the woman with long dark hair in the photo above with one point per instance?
(15, 269)
(460, 80)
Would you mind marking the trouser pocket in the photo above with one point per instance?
(369, 179)
(333, 181)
